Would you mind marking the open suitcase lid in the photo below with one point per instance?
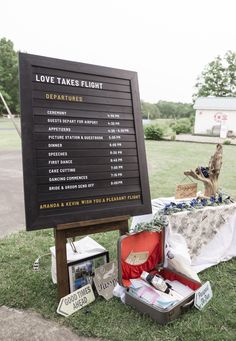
(145, 242)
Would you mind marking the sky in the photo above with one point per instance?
(168, 43)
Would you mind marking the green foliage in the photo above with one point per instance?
(164, 109)
(218, 77)
(175, 110)
(182, 126)
(157, 223)
(153, 132)
(227, 142)
(149, 110)
(9, 76)
(192, 119)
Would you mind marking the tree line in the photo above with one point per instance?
(165, 109)
(218, 78)
(9, 78)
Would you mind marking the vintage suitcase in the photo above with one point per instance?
(151, 243)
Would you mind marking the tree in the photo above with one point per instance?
(149, 110)
(218, 77)
(9, 78)
(175, 110)
(165, 109)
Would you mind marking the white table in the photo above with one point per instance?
(200, 238)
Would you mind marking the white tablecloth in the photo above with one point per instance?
(200, 238)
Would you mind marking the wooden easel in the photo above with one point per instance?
(71, 230)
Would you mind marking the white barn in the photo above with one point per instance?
(215, 116)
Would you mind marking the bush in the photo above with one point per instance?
(182, 126)
(227, 142)
(192, 119)
(153, 132)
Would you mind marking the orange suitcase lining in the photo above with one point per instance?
(153, 243)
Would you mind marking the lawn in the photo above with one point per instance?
(167, 162)
(22, 288)
(6, 123)
(9, 139)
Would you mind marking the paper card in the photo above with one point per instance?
(105, 279)
(180, 288)
(186, 191)
(75, 301)
(136, 258)
(148, 294)
(203, 295)
(137, 283)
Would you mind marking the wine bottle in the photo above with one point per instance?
(156, 281)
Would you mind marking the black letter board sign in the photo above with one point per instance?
(82, 140)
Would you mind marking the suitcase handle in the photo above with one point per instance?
(187, 306)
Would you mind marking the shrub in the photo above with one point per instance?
(182, 126)
(227, 142)
(192, 119)
(153, 132)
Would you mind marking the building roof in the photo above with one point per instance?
(215, 103)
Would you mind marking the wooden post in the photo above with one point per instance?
(72, 230)
(61, 263)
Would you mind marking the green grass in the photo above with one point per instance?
(20, 287)
(7, 123)
(167, 162)
(9, 138)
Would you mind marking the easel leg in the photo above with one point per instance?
(124, 227)
(62, 232)
(61, 261)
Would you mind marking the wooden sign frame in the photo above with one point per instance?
(32, 94)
